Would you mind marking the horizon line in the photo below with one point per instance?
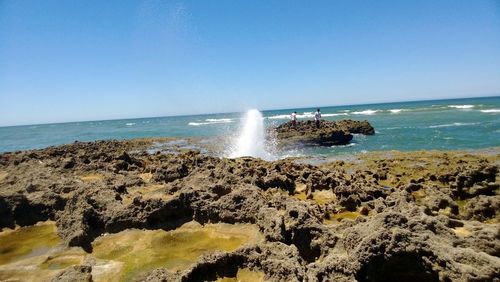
(264, 110)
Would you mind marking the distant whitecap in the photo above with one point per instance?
(453, 124)
(491, 111)
(396, 111)
(365, 112)
(461, 106)
(209, 121)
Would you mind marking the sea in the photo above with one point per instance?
(456, 124)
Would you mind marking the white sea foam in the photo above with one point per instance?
(279, 117)
(396, 111)
(344, 146)
(491, 111)
(334, 115)
(453, 124)
(212, 121)
(219, 120)
(461, 106)
(130, 124)
(365, 112)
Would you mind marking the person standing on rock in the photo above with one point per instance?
(317, 117)
(293, 116)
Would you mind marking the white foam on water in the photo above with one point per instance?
(491, 111)
(396, 111)
(279, 117)
(453, 124)
(365, 112)
(219, 120)
(130, 124)
(334, 115)
(251, 141)
(344, 146)
(209, 121)
(461, 106)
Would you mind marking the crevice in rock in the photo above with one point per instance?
(408, 267)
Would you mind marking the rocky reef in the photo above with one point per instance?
(390, 216)
(329, 133)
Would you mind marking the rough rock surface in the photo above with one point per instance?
(418, 216)
(329, 133)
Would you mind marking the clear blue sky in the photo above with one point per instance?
(86, 60)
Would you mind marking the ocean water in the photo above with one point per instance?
(472, 123)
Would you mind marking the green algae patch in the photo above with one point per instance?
(244, 275)
(140, 251)
(27, 241)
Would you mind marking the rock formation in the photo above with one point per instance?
(329, 133)
(395, 217)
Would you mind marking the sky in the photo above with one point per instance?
(93, 60)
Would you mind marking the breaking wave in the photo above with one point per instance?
(396, 111)
(365, 112)
(491, 111)
(461, 106)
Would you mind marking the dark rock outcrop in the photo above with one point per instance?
(329, 133)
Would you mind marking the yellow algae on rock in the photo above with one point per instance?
(150, 191)
(462, 231)
(321, 197)
(3, 175)
(64, 258)
(27, 241)
(92, 177)
(334, 218)
(34, 253)
(461, 206)
(245, 275)
(141, 251)
(146, 177)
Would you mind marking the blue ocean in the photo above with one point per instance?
(472, 123)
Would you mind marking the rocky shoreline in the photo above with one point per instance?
(389, 216)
